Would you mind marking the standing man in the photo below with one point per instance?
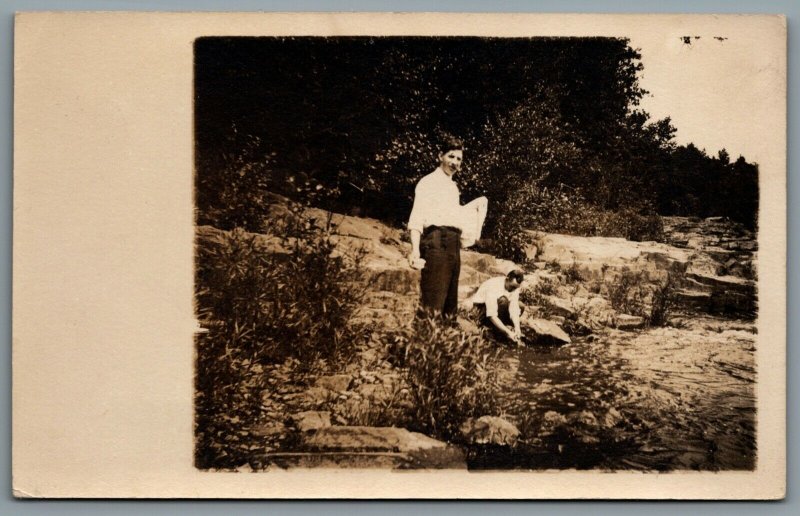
(435, 226)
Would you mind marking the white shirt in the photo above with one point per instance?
(436, 202)
(493, 289)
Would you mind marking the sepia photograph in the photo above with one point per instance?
(399, 256)
(469, 252)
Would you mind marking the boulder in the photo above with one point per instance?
(396, 279)
(546, 332)
(311, 420)
(559, 306)
(490, 430)
(486, 263)
(595, 312)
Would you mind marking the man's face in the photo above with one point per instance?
(512, 284)
(451, 161)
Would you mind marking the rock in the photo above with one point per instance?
(696, 299)
(611, 418)
(373, 391)
(595, 312)
(399, 279)
(547, 332)
(550, 422)
(318, 395)
(268, 430)
(468, 326)
(366, 439)
(311, 420)
(628, 322)
(593, 256)
(370, 447)
(336, 383)
(584, 417)
(531, 252)
(559, 306)
(486, 263)
(367, 376)
(490, 430)
(726, 283)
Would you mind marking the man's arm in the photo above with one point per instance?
(513, 311)
(415, 238)
(502, 327)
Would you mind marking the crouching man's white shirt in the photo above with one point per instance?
(490, 291)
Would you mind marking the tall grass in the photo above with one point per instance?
(266, 299)
(451, 375)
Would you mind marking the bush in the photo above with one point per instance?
(560, 209)
(279, 296)
(663, 300)
(266, 299)
(451, 375)
(631, 293)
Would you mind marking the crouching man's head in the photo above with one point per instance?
(514, 279)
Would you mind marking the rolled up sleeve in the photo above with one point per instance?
(416, 221)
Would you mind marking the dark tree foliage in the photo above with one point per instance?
(353, 120)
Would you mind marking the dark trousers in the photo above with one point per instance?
(440, 248)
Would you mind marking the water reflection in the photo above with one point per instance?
(661, 399)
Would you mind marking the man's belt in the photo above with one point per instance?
(445, 229)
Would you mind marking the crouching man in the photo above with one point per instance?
(498, 302)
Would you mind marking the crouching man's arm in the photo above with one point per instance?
(502, 327)
(514, 313)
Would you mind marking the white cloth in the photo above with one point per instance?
(436, 202)
(471, 220)
(493, 289)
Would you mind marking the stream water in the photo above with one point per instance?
(677, 397)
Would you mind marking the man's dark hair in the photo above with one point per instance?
(449, 142)
(516, 275)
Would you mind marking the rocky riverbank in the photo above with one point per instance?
(647, 334)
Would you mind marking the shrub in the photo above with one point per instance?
(573, 274)
(561, 209)
(663, 299)
(265, 299)
(534, 296)
(286, 295)
(626, 293)
(633, 294)
(451, 375)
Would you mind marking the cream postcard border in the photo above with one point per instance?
(103, 318)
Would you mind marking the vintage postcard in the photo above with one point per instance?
(386, 255)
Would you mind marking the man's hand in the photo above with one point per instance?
(413, 257)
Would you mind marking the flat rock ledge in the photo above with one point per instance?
(370, 447)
